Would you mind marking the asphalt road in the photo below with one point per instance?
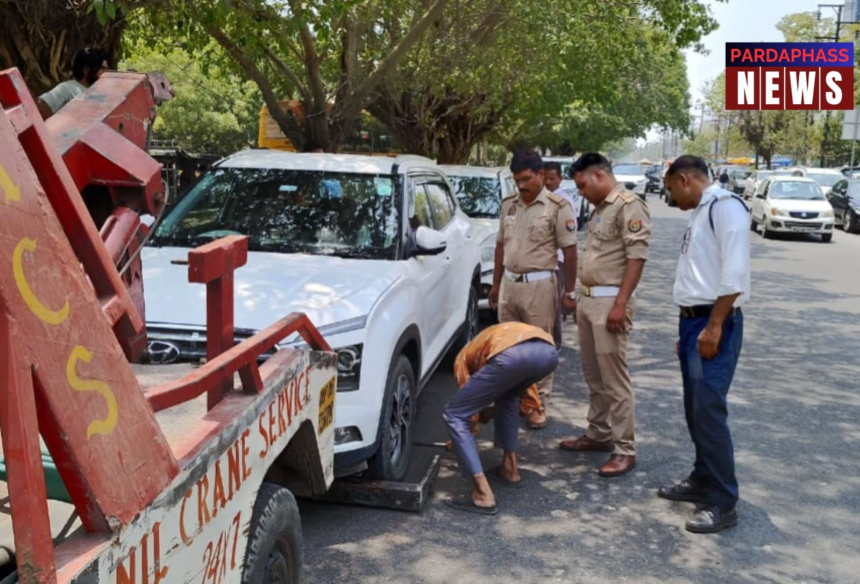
(795, 415)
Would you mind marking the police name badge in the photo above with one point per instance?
(634, 225)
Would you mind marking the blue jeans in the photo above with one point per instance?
(706, 388)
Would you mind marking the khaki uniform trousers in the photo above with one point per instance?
(533, 303)
(604, 363)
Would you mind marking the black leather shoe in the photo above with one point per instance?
(686, 490)
(711, 520)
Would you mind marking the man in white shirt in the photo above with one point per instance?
(552, 182)
(87, 67)
(712, 282)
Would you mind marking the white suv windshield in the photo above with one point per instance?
(804, 191)
(349, 215)
(627, 170)
(480, 197)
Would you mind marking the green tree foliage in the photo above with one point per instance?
(444, 74)
(214, 110)
(805, 27)
(329, 55)
(565, 75)
(646, 86)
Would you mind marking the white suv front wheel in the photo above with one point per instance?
(397, 423)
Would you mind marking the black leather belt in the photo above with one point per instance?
(701, 311)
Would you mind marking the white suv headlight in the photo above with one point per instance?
(828, 214)
(295, 341)
(349, 367)
(488, 249)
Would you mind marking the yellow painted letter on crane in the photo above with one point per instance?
(106, 425)
(8, 186)
(44, 313)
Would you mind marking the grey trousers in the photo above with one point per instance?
(501, 380)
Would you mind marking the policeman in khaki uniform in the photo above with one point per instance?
(535, 224)
(616, 249)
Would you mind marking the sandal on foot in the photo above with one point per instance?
(464, 502)
(495, 473)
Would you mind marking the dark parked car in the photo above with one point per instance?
(844, 197)
(655, 179)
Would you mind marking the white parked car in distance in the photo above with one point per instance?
(480, 191)
(632, 176)
(375, 250)
(825, 177)
(757, 177)
(791, 204)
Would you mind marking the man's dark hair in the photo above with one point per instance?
(88, 58)
(688, 163)
(552, 165)
(526, 160)
(590, 160)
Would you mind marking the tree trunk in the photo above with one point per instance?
(441, 128)
(41, 37)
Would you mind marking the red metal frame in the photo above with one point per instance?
(31, 522)
(85, 129)
(102, 138)
(213, 264)
(240, 359)
(62, 372)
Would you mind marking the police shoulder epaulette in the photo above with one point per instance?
(628, 196)
(556, 199)
(511, 196)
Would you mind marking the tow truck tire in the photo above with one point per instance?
(274, 552)
(397, 423)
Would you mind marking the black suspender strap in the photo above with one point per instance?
(717, 200)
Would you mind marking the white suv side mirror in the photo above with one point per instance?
(429, 241)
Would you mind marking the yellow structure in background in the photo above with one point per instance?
(270, 134)
(371, 137)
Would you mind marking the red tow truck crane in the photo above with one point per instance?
(213, 502)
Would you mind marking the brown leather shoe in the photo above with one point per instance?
(586, 444)
(617, 465)
(537, 420)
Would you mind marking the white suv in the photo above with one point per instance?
(480, 191)
(375, 250)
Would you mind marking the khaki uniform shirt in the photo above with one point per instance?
(533, 234)
(618, 231)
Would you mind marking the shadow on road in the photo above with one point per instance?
(795, 414)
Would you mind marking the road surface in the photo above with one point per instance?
(794, 411)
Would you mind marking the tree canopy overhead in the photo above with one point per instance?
(442, 73)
